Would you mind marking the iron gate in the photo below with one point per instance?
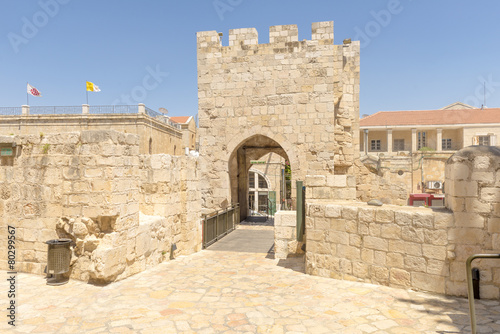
(219, 223)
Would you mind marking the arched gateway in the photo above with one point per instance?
(299, 100)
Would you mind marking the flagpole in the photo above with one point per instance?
(87, 91)
(27, 95)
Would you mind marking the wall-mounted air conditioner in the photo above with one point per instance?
(434, 185)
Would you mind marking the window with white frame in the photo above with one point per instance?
(446, 143)
(399, 145)
(375, 145)
(422, 140)
(484, 140)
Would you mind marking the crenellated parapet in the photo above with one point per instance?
(279, 36)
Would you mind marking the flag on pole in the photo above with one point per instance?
(92, 88)
(33, 91)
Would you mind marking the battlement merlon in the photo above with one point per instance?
(244, 36)
(280, 34)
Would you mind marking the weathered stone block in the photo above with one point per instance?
(489, 194)
(400, 277)
(338, 237)
(405, 247)
(315, 181)
(350, 212)
(384, 216)
(428, 282)
(468, 219)
(333, 211)
(434, 252)
(425, 220)
(390, 231)
(375, 243)
(379, 274)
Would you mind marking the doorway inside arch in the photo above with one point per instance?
(260, 177)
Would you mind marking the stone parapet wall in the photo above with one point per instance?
(472, 189)
(170, 188)
(389, 245)
(164, 137)
(417, 248)
(90, 186)
(285, 234)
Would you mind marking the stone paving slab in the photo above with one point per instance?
(246, 239)
(229, 292)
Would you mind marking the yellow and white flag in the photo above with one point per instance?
(92, 88)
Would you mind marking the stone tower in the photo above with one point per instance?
(299, 99)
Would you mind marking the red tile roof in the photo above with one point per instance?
(180, 119)
(432, 117)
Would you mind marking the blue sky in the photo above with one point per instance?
(416, 54)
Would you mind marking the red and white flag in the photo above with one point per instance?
(33, 91)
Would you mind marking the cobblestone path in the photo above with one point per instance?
(236, 292)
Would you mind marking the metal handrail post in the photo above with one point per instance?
(470, 288)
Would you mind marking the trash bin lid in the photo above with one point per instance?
(58, 241)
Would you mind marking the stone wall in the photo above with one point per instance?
(90, 186)
(472, 190)
(169, 188)
(285, 234)
(299, 99)
(389, 245)
(417, 248)
(155, 136)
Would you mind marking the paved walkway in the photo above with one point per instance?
(236, 292)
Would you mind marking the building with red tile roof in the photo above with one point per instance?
(439, 130)
(188, 127)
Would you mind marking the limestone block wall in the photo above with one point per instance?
(303, 95)
(285, 234)
(472, 190)
(88, 186)
(389, 245)
(170, 188)
(155, 136)
(418, 248)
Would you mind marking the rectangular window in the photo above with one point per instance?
(484, 140)
(251, 180)
(446, 143)
(262, 182)
(399, 145)
(422, 141)
(375, 145)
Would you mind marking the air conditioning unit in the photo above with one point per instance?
(434, 185)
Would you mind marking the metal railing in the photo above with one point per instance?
(152, 113)
(470, 287)
(219, 223)
(114, 109)
(95, 110)
(161, 117)
(10, 111)
(55, 110)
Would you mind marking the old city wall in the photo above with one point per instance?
(472, 188)
(410, 247)
(303, 95)
(164, 138)
(91, 187)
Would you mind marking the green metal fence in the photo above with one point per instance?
(219, 223)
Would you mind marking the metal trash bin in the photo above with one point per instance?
(58, 260)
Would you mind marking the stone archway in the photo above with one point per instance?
(251, 148)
